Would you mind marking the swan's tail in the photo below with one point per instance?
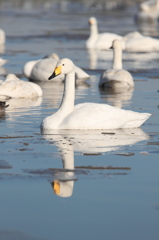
(138, 122)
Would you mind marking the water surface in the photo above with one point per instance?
(111, 188)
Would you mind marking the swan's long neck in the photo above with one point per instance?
(117, 58)
(67, 104)
(93, 30)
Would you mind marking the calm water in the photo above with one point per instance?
(111, 190)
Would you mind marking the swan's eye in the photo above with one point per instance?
(63, 64)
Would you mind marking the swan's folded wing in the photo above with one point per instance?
(102, 116)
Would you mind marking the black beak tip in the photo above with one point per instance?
(51, 77)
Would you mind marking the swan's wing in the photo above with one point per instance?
(102, 116)
(137, 42)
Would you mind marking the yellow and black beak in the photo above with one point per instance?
(56, 72)
(56, 187)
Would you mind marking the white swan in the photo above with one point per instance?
(102, 40)
(149, 6)
(16, 88)
(87, 115)
(2, 37)
(41, 69)
(116, 76)
(136, 42)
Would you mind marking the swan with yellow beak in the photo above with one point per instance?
(87, 115)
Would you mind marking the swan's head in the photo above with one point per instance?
(64, 66)
(116, 44)
(63, 188)
(11, 77)
(92, 21)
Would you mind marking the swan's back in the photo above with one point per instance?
(14, 87)
(42, 69)
(137, 42)
(102, 116)
(119, 78)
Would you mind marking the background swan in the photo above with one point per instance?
(148, 11)
(116, 76)
(136, 42)
(14, 87)
(87, 115)
(41, 69)
(102, 40)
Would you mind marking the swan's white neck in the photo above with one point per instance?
(117, 58)
(68, 157)
(67, 104)
(93, 30)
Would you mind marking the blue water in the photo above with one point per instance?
(111, 190)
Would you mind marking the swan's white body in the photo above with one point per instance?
(41, 69)
(87, 115)
(136, 42)
(149, 6)
(16, 88)
(148, 11)
(2, 37)
(116, 76)
(3, 61)
(102, 40)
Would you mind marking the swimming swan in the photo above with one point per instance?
(102, 40)
(16, 88)
(136, 42)
(116, 76)
(148, 11)
(41, 69)
(87, 115)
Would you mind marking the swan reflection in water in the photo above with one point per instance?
(116, 97)
(23, 103)
(19, 107)
(87, 142)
